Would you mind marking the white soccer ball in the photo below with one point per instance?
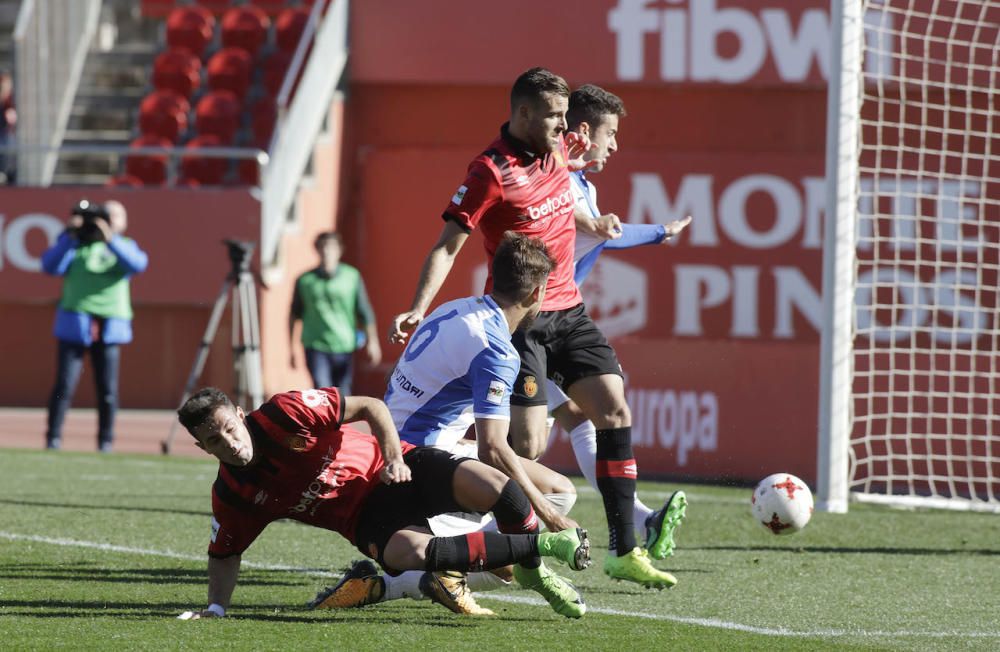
(782, 503)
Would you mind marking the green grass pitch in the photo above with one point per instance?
(103, 552)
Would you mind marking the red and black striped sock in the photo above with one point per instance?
(616, 474)
(480, 551)
(515, 516)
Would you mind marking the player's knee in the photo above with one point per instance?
(615, 415)
(569, 418)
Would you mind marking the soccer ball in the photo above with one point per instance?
(782, 503)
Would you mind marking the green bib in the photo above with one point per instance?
(330, 309)
(96, 283)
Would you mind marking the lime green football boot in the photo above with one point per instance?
(636, 567)
(661, 526)
(564, 598)
(571, 547)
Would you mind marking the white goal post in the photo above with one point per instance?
(910, 349)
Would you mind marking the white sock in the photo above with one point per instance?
(485, 581)
(404, 585)
(584, 440)
(639, 515)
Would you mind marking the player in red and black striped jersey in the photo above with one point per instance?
(296, 457)
(521, 183)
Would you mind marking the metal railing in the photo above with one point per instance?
(300, 117)
(51, 38)
(173, 155)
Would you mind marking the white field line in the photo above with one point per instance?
(713, 623)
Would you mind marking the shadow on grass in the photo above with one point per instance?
(270, 613)
(118, 508)
(92, 573)
(846, 550)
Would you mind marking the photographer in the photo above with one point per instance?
(95, 311)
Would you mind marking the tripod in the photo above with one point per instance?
(241, 287)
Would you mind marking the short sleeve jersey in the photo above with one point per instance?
(307, 466)
(460, 365)
(507, 188)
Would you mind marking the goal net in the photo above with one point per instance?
(912, 414)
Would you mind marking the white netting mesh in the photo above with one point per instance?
(926, 397)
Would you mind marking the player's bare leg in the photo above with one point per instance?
(602, 400)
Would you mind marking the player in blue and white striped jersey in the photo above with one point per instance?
(594, 113)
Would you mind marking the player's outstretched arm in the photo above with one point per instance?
(222, 577)
(433, 274)
(375, 412)
(491, 438)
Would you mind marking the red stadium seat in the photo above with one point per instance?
(274, 69)
(178, 70)
(245, 27)
(164, 114)
(190, 28)
(218, 114)
(230, 69)
(203, 170)
(263, 115)
(151, 169)
(288, 28)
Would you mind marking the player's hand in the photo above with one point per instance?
(403, 325)
(394, 472)
(105, 229)
(608, 226)
(577, 146)
(74, 222)
(675, 227)
(556, 522)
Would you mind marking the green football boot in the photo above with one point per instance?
(562, 596)
(661, 526)
(571, 547)
(636, 567)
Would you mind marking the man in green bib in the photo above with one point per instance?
(336, 316)
(95, 312)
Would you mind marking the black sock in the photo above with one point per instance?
(515, 516)
(616, 473)
(480, 551)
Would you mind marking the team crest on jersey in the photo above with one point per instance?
(296, 443)
(530, 386)
(459, 195)
(495, 393)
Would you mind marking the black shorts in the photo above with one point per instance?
(390, 508)
(564, 345)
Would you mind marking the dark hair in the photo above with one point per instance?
(533, 83)
(590, 104)
(520, 264)
(325, 237)
(200, 406)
